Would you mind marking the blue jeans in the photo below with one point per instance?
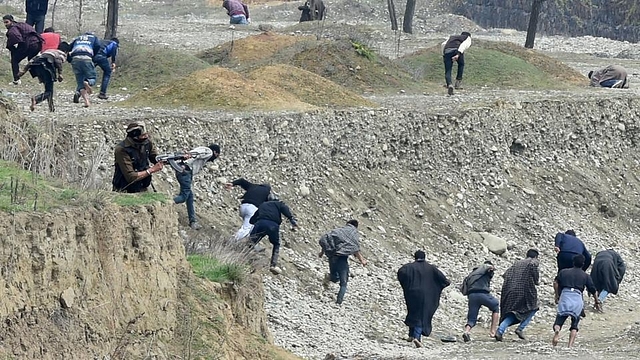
(238, 19)
(339, 271)
(603, 295)
(37, 21)
(477, 300)
(512, 319)
(269, 228)
(103, 63)
(84, 70)
(448, 66)
(415, 332)
(185, 179)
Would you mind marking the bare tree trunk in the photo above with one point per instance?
(533, 23)
(79, 22)
(53, 13)
(407, 22)
(392, 14)
(112, 19)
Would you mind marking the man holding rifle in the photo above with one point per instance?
(186, 165)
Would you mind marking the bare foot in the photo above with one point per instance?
(556, 337)
(87, 88)
(33, 104)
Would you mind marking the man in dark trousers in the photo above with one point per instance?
(477, 287)
(22, 41)
(607, 273)
(254, 195)
(571, 283)
(453, 51)
(108, 51)
(267, 220)
(519, 296)
(36, 11)
(132, 156)
(338, 244)
(422, 285)
(47, 67)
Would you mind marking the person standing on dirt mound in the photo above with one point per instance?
(477, 287)
(453, 51)
(519, 296)
(266, 221)
(254, 195)
(22, 41)
(132, 156)
(612, 76)
(238, 12)
(338, 244)
(422, 285)
(571, 283)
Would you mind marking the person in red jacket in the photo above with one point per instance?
(51, 39)
(22, 41)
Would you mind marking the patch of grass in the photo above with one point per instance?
(363, 50)
(495, 65)
(210, 268)
(144, 198)
(141, 66)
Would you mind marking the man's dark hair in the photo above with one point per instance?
(64, 46)
(49, 29)
(532, 253)
(419, 255)
(578, 261)
(353, 222)
(466, 33)
(488, 262)
(590, 73)
(216, 150)
(8, 17)
(115, 40)
(570, 232)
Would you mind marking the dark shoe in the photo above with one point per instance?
(76, 97)
(450, 89)
(520, 334)
(466, 337)
(458, 85)
(102, 96)
(417, 343)
(498, 337)
(582, 314)
(410, 339)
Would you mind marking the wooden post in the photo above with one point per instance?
(112, 19)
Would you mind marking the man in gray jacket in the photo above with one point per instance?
(612, 76)
(477, 287)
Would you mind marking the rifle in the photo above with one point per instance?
(173, 158)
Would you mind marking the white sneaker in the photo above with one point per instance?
(195, 225)
(17, 82)
(275, 270)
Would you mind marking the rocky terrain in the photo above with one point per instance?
(424, 172)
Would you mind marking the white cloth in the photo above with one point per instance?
(246, 212)
(196, 163)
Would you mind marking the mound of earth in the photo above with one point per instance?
(220, 88)
(496, 65)
(309, 87)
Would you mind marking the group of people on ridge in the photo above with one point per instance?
(46, 54)
(422, 284)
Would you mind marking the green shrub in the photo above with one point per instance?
(210, 268)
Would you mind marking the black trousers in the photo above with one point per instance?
(20, 53)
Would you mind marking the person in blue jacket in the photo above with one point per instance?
(108, 51)
(83, 49)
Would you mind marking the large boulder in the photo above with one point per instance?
(494, 243)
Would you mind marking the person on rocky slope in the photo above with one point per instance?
(571, 283)
(422, 285)
(612, 76)
(607, 273)
(132, 173)
(453, 51)
(338, 244)
(267, 220)
(519, 296)
(477, 287)
(254, 195)
(83, 49)
(22, 42)
(194, 161)
(238, 12)
(567, 246)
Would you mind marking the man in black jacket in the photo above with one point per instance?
(267, 220)
(478, 291)
(254, 196)
(36, 11)
(453, 50)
